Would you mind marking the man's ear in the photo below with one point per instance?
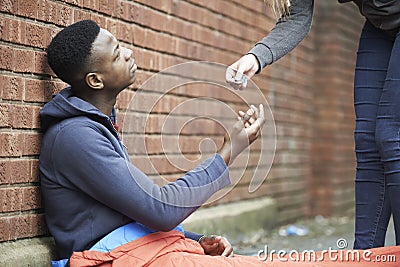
(94, 81)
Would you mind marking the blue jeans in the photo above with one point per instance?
(377, 136)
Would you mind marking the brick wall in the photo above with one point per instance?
(333, 159)
(163, 34)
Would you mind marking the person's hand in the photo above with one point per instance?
(216, 246)
(235, 74)
(245, 131)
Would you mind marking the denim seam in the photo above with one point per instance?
(378, 216)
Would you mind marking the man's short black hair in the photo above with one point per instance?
(69, 50)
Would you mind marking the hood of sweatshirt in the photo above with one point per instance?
(65, 105)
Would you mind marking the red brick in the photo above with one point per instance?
(34, 170)
(45, 10)
(15, 171)
(23, 226)
(8, 6)
(35, 118)
(13, 30)
(25, 117)
(52, 87)
(34, 91)
(10, 199)
(28, 8)
(105, 6)
(62, 14)
(31, 198)
(24, 60)
(12, 87)
(7, 56)
(37, 35)
(98, 19)
(31, 144)
(123, 31)
(11, 144)
(91, 4)
(131, 12)
(5, 115)
(122, 9)
(41, 65)
(81, 14)
(5, 228)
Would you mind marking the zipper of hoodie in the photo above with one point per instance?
(115, 127)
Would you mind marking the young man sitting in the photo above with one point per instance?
(93, 196)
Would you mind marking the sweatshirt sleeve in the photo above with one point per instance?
(286, 35)
(192, 235)
(93, 166)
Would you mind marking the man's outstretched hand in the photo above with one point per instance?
(244, 132)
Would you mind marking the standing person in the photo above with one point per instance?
(376, 102)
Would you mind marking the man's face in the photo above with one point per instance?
(112, 62)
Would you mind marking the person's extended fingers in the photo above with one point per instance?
(244, 117)
(241, 113)
(261, 116)
(255, 109)
(250, 111)
(255, 128)
(228, 249)
(251, 120)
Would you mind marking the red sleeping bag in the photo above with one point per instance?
(172, 249)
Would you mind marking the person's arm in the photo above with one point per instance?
(112, 180)
(103, 174)
(218, 245)
(193, 236)
(213, 245)
(285, 36)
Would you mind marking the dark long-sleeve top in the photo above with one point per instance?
(288, 32)
(90, 187)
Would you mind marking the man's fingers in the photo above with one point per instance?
(256, 112)
(256, 125)
(244, 117)
(261, 115)
(228, 249)
(227, 252)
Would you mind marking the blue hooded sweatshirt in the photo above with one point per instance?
(90, 188)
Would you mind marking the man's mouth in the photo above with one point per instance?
(133, 67)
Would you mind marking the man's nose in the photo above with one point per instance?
(128, 53)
